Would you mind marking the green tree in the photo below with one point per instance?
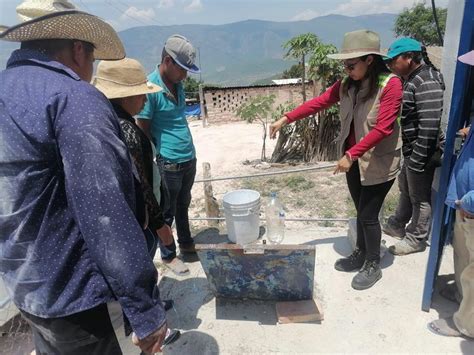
(314, 137)
(418, 22)
(323, 69)
(191, 88)
(258, 108)
(298, 47)
(295, 71)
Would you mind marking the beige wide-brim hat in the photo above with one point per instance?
(48, 19)
(358, 44)
(123, 78)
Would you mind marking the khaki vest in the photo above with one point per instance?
(382, 162)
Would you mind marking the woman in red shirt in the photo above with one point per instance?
(370, 144)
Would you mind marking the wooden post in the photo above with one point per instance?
(212, 207)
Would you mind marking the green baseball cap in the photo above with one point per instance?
(403, 45)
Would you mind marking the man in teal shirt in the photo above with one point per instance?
(163, 119)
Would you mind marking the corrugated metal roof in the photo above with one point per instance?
(287, 81)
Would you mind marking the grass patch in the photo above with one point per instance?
(390, 203)
(265, 185)
(328, 213)
(351, 210)
(298, 183)
(300, 203)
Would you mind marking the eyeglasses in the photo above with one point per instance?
(351, 66)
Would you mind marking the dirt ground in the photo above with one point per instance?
(234, 150)
(384, 319)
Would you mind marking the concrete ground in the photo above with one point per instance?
(384, 319)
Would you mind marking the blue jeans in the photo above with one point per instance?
(179, 180)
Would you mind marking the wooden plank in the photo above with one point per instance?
(279, 272)
(299, 311)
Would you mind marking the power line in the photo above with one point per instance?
(124, 13)
(128, 6)
(85, 6)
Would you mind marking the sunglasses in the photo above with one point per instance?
(351, 66)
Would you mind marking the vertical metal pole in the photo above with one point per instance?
(200, 65)
(441, 224)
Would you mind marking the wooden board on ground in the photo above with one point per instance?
(263, 272)
(299, 311)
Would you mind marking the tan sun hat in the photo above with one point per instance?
(357, 44)
(59, 19)
(123, 78)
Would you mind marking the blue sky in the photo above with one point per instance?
(123, 14)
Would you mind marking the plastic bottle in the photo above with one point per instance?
(275, 216)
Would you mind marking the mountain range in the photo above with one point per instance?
(243, 52)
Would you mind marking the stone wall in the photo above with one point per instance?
(222, 103)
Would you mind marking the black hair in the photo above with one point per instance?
(374, 70)
(52, 47)
(418, 56)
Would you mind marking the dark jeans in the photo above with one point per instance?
(368, 201)
(151, 242)
(414, 203)
(179, 180)
(87, 332)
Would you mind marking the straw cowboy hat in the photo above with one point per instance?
(123, 78)
(59, 19)
(358, 44)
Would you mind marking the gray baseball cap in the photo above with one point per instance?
(182, 51)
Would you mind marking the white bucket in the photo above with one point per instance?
(242, 215)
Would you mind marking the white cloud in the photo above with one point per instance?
(166, 4)
(135, 13)
(305, 15)
(193, 6)
(363, 7)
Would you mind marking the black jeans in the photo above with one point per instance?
(368, 201)
(93, 331)
(179, 179)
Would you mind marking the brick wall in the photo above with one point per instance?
(222, 103)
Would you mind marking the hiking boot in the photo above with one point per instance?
(392, 230)
(352, 262)
(407, 246)
(188, 248)
(445, 327)
(368, 275)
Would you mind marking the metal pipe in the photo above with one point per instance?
(286, 219)
(327, 166)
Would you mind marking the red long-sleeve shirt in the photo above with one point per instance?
(390, 102)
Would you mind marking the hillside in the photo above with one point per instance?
(243, 52)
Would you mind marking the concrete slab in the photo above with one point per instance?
(384, 319)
